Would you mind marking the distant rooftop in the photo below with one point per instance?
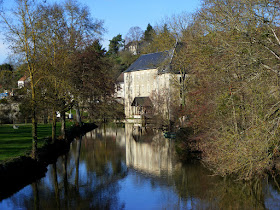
(151, 61)
(23, 78)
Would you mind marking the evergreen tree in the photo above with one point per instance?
(115, 44)
(148, 33)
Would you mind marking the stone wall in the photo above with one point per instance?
(147, 83)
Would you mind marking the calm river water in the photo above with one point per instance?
(132, 168)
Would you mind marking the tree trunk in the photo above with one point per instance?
(56, 187)
(78, 114)
(46, 118)
(36, 195)
(183, 91)
(54, 126)
(65, 181)
(77, 163)
(34, 135)
(63, 124)
(34, 125)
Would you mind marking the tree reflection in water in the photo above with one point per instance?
(85, 178)
(36, 195)
(195, 183)
(137, 168)
(56, 187)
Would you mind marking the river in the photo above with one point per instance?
(136, 168)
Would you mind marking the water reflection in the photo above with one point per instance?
(136, 168)
(148, 151)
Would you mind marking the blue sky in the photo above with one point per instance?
(120, 15)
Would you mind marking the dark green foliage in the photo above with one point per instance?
(94, 79)
(25, 109)
(97, 47)
(7, 67)
(8, 77)
(115, 44)
(125, 59)
(3, 101)
(159, 40)
(148, 34)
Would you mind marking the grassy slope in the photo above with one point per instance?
(16, 142)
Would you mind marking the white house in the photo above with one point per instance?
(132, 47)
(23, 81)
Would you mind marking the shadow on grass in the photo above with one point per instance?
(21, 139)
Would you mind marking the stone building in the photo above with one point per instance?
(148, 86)
(120, 89)
(132, 47)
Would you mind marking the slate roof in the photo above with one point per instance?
(151, 61)
(142, 101)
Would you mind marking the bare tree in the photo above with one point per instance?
(134, 34)
(234, 98)
(22, 34)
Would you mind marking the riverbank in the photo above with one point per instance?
(16, 141)
(111, 169)
(187, 148)
(191, 146)
(23, 170)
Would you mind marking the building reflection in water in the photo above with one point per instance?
(148, 151)
(124, 168)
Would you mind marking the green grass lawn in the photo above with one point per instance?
(16, 142)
